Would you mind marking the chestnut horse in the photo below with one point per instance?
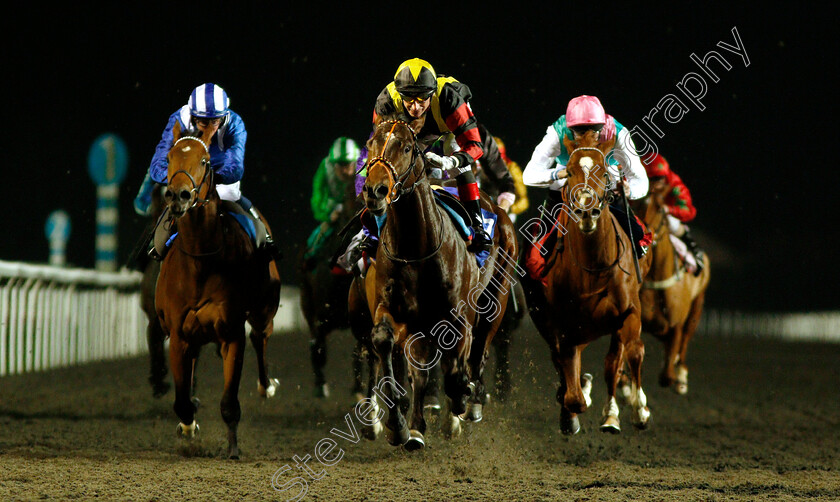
(211, 282)
(423, 294)
(672, 299)
(591, 290)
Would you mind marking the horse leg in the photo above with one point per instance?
(417, 425)
(573, 392)
(689, 328)
(453, 389)
(635, 352)
(181, 362)
(318, 353)
(266, 386)
(232, 353)
(396, 429)
(432, 401)
(155, 337)
(671, 341)
(612, 367)
(372, 431)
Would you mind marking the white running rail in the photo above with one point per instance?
(52, 317)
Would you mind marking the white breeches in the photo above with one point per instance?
(229, 192)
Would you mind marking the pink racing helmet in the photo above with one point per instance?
(585, 110)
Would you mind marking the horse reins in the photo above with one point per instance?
(207, 169)
(197, 189)
(396, 182)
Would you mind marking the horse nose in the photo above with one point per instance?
(378, 192)
(596, 212)
(168, 194)
(185, 195)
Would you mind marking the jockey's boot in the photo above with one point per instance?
(270, 246)
(695, 250)
(481, 240)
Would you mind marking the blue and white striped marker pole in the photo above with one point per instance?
(107, 218)
(58, 231)
(107, 163)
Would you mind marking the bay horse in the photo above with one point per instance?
(211, 282)
(323, 297)
(423, 293)
(672, 299)
(591, 290)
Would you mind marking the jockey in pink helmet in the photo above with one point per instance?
(585, 113)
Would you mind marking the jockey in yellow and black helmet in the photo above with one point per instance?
(415, 91)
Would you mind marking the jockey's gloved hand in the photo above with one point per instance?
(505, 200)
(447, 163)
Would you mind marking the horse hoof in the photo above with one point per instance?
(681, 388)
(569, 425)
(681, 385)
(233, 453)
(454, 427)
(611, 425)
(415, 441)
(372, 432)
(473, 413)
(269, 391)
(642, 418)
(187, 431)
(321, 391)
(432, 405)
(397, 438)
(486, 400)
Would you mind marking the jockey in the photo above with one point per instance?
(416, 90)
(677, 201)
(207, 114)
(586, 113)
(334, 174)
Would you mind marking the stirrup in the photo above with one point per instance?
(481, 241)
(153, 254)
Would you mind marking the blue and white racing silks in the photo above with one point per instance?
(227, 147)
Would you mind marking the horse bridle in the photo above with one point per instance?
(607, 198)
(207, 170)
(396, 182)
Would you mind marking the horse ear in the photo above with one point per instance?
(607, 146)
(176, 131)
(569, 144)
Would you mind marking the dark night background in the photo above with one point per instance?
(756, 160)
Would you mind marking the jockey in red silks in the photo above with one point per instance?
(677, 201)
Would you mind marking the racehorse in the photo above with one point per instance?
(590, 290)
(323, 297)
(211, 282)
(672, 299)
(423, 293)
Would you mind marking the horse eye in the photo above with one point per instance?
(407, 149)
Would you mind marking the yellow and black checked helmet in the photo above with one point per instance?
(415, 77)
